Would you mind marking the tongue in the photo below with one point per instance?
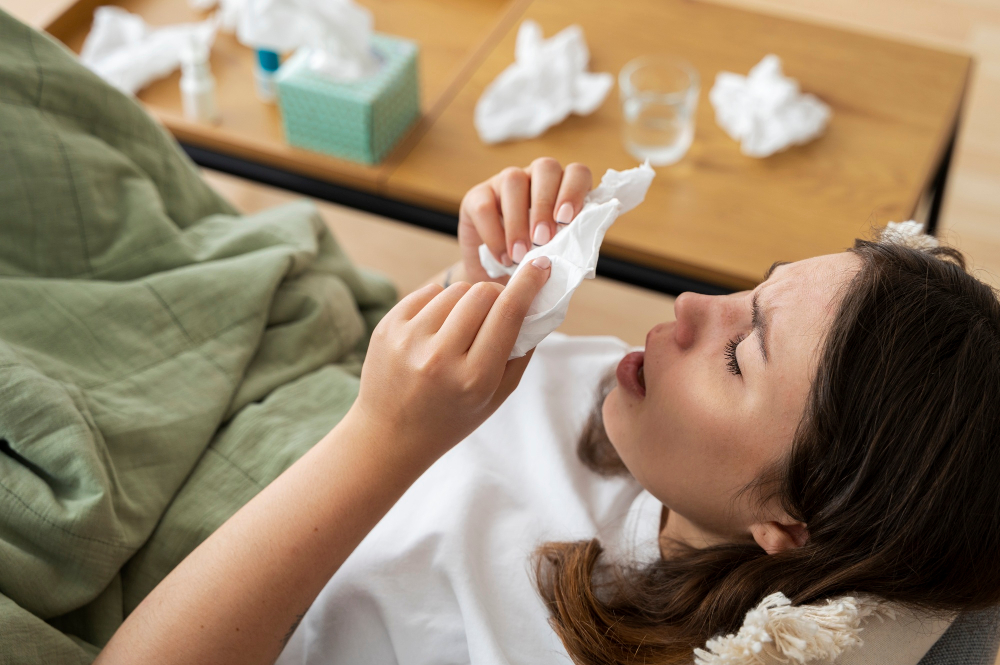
(642, 376)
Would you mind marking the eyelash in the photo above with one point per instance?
(732, 363)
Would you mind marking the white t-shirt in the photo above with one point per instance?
(447, 576)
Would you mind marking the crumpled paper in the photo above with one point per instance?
(337, 33)
(130, 55)
(765, 111)
(573, 252)
(548, 81)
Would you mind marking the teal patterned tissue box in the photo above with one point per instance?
(358, 120)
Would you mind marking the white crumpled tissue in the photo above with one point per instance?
(547, 81)
(129, 55)
(765, 111)
(573, 252)
(337, 33)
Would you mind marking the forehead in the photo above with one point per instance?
(803, 296)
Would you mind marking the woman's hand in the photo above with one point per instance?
(517, 208)
(437, 366)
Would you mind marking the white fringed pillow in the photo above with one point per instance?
(777, 631)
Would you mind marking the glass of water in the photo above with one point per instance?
(659, 96)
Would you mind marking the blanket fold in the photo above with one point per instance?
(162, 358)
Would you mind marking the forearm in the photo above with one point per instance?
(237, 597)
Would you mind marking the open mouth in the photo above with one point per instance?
(631, 375)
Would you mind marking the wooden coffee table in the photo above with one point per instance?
(714, 221)
(451, 34)
(718, 216)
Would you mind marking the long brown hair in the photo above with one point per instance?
(894, 468)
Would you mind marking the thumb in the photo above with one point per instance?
(499, 331)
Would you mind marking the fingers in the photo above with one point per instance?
(496, 337)
(430, 319)
(411, 305)
(465, 320)
(515, 186)
(481, 209)
(546, 175)
(576, 183)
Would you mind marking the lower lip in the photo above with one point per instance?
(628, 374)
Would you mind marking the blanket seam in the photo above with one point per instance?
(118, 545)
(145, 141)
(193, 345)
(237, 467)
(76, 202)
(38, 68)
(213, 336)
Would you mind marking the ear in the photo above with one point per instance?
(775, 537)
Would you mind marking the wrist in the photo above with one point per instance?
(400, 451)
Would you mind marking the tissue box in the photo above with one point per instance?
(357, 120)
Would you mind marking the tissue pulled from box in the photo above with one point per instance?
(547, 81)
(573, 252)
(765, 111)
(130, 55)
(337, 33)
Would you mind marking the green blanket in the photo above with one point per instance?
(161, 357)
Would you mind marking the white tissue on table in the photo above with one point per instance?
(129, 55)
(573, 252)
(548, 81)
(765, 111)
(336, 32)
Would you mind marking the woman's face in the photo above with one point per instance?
(722, 389)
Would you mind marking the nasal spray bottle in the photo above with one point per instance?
(264, 71)
(198, 84)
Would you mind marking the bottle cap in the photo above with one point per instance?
(268, 60)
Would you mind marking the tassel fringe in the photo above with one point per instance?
(777, 632)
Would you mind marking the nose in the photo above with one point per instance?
(690, 309)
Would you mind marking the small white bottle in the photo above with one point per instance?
(264, 71)
(198, 85)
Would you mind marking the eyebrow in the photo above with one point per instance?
(774, 266)
(758, 321)
(760, 324)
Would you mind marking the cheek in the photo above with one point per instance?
(623, 423)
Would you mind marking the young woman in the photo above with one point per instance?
(831, 432)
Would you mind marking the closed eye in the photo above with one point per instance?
(732, 364)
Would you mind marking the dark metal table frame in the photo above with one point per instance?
(617, 269)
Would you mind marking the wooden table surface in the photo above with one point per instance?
(450, 32)
(717, 215)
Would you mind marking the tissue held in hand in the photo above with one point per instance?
(548, 81)
(765, 111)
(573, 252)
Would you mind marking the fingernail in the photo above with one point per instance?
(565, 213)
(542, 234)
(518, 252)
(542, 262)
(505, 260)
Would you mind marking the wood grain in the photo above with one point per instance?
(970, 217)
(718, 215)
(451, 33)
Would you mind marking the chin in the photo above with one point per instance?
(615, 423)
